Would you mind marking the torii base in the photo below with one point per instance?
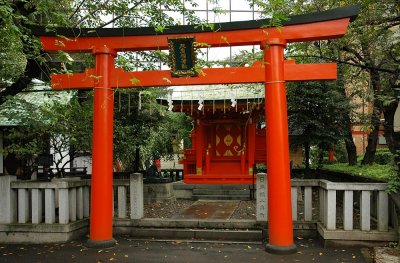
(281, 250)
(100, 243)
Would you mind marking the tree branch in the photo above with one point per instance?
(347, 63)
(77, 9)
(354, 52)
(100, 6)
(121, 15)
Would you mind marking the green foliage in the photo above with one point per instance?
(12, 58)
(383, 156)
(276, 10)
(394, 183)
(60, 125)
(378, 171)
(140, 122)
(316, 113)
(340, 152)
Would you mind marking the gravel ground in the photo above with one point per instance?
(245, 209)
(166, 209)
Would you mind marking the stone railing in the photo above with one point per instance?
(59, 201)
(368, 200)
(342, 207)
(129, 190)
(302, 201)
(62, 201)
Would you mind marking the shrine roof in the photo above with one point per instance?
(332, 14)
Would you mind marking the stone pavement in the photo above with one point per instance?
(131, 250)
(210, 209)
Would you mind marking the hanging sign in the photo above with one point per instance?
(182, 57)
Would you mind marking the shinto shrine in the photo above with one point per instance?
(221, 154)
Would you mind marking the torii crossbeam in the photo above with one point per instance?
(274, 72)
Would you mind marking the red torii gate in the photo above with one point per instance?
(274, 72)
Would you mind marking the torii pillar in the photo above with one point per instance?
(101, 212)
(280, 225)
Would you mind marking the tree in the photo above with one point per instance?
(371, 44)
(24, 53)
(143, 125)
(316, 111)
(62, 125)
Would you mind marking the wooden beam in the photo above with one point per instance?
(292, 33)
(208, 76)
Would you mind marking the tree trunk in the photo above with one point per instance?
(369, 155)
(348, 139)
(137, 160)
(307, 156)
(388, 113)
(350, 148)
(377, 107)
(22, 82)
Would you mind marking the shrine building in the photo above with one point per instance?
(228, 137)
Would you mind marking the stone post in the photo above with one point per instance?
(122, 201)
(294, 203)
(8, 200)
(23, 205)
(136, 195)
(37, 206)
(72, 204)
(49, 206)
(261, 196)
(79, 203)
(63, 208)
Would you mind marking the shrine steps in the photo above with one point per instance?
(212, 192)
(222, 194)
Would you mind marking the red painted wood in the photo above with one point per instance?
(293, 33)
(234, 75)
(102, 153)
(199, 147)
(251, 140)
(279, 190)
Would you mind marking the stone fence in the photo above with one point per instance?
(58, 211)
(37, 212)
(342, 211)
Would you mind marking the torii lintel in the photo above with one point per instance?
(208, 76)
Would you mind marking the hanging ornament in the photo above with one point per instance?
(233, 103)
(140, 101)
(201, 105)
(170, 102)
(181, 102)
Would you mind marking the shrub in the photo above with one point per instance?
(383, 156)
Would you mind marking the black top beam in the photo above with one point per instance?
(333, 14)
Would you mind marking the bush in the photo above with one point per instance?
(383, 156)
(378, 171)
(341, 152)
